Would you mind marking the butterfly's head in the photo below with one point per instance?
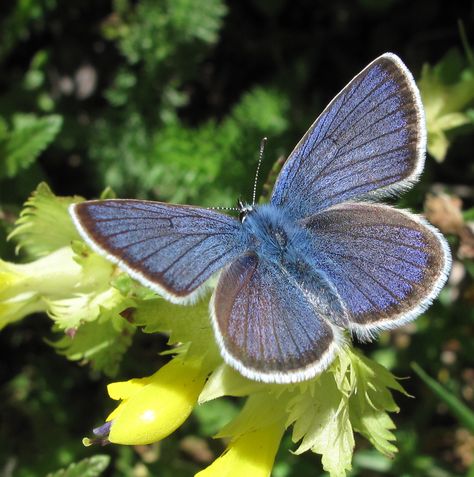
(244, 209)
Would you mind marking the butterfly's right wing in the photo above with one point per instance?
(387, 265)
(172, 249)
(268, 326)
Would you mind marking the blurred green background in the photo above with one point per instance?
(168, 100)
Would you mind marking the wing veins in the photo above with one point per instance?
(396, 298)
(380, 239)
(323, 125)
(155, 213)
(376, 106)
(342, 255)
(357, 186)
(209, 264)
(304, 156)
(275, 334)
(180, 257)
(163, 247)
(160, 233)
(365, 159)
(351, 112)
(337, 155)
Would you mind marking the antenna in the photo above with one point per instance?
(260, 157)
(223, 208)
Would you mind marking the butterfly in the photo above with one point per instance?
(321, 258)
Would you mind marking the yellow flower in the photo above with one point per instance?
(154, 407)
(24, 288)
(251, 454)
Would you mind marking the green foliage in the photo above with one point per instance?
(154, 32)
(162, 43)
(354, 396)
(183, 324)
(447, 91)
(188, 165)
(370, 403)
(21, 22)
(44, 224)
(92, 467)
(323, 426)
(102, 343)
(457, 407)
(25, 140)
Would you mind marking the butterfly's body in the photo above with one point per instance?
(288, 247)
(273, 235)
(319, 258)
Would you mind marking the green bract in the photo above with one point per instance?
(97, 308)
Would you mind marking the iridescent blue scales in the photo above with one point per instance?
(319, 259)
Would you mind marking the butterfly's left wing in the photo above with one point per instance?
(387, 265)
(172, 249)
(369, 141)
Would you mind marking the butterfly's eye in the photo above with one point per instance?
(244, 209)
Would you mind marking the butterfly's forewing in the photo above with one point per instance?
(370, 140)
(387, 265)
(266, 326)
(173, 249)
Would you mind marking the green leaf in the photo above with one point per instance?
(352, 395)
(45, 224)
(197, 19)
(226, 381)
(370, 401)
(457, 407)
(321, 422)
(28, 137)
(102, 343)
(91, 467)
(262, 108)
(186, 324)
(468, 215)
(447, 90)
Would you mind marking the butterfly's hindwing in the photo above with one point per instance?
(387, 265)
(266, 326)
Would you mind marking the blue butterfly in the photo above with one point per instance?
(319, 259)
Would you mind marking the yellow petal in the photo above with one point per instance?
(251, 454)
(125, 389)
(154, 409)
